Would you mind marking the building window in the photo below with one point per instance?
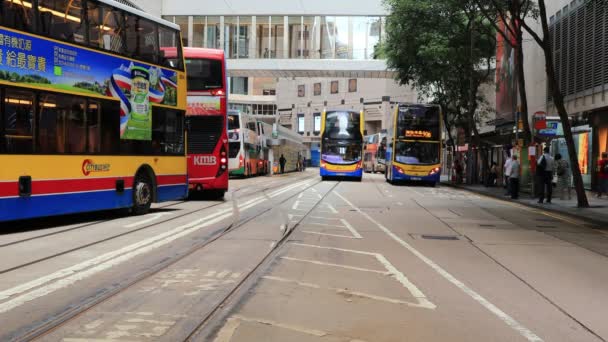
(317, 123)
(317, 89)
(301, 90)
(335, 85)
(352, 85)
(212, 32)
(301, 123)
(269, 92)
(239, 85)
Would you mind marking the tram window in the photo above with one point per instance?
(76, 131)
(169, 38)
(95, 17)
(18, 121)
(17, 14)
(113, 30)
(110, 127)
(141, 38)
(93, 127)
(62, 20)
(51, 126)
(167, 131)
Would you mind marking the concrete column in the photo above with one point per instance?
(253, 51)
(205, 33)
(222, 34)
(285, 37)
(190, 30)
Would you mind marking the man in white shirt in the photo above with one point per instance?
(507, 173)
(544, 170)
(514, 178)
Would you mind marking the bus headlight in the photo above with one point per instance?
(399, 170)
(434, 171)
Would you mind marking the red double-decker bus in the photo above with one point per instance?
(207, 138)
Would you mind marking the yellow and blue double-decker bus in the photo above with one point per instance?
(414, 144)
(342, 144)
(91, 110)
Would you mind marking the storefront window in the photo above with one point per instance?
(212, 29)
(295, 37)
(230, 36)
(263, 36)
(328, 37)
(342, 38)
(277, 37)
(245, 30)
(182, 21)
(198, 31)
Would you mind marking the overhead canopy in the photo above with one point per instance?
(308, 68)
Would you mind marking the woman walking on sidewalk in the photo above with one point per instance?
(562, 169)
(514, 178)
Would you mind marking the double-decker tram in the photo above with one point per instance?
(342, 144)
(91, 109)
(206, 121)
(244, 147)
(414, 144)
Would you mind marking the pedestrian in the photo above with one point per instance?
(282, 162)
(458, 171)
(493, 174)
(514, 178)
(562, 169)
(544, 170)
(507, 173)
(602, 175)
(304, 163)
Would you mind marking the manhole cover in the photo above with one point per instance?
(440, 237)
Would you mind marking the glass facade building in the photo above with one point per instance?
(306, 37)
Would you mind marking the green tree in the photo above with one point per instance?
(558, 100)
(444, 49)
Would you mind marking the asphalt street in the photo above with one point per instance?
(292, 258)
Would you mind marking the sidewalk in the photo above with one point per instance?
(596, 214)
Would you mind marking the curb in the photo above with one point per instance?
(602, 225)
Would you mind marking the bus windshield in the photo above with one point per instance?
(417, 153)
(343, 126)
(204, 74)
(418, 123)
(335, 153)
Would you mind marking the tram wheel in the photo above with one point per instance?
(142, 194)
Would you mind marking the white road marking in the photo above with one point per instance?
(391, 270)
(327, 234)
(344, 291)
(70, 275)
(323, 217)
(152, 217)
(325, 225)
(510, 321)
(295, 205)
(399, 203)
(351, 229)
(315, 262)
(331, 207)
(223, 274)
(300, 195)
(227, 331)
(313, 332)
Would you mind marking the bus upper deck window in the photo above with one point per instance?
(18, 15)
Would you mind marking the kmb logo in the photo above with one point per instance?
(205, 160)
(89, 166)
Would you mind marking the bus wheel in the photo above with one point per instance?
(218, 195)
(142, 194)
(358, 179)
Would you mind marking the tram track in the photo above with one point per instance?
(124, 233)
(74, 311)
(249, 277)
